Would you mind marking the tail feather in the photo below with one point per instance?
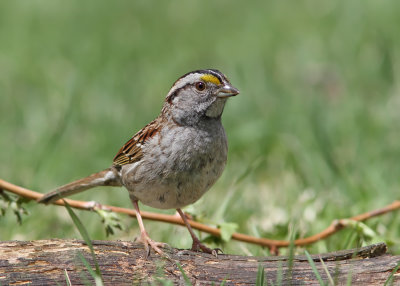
(107, 177)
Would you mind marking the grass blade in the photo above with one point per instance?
(82, 230)
(327, 272)
(87, 265)
(349, 278)
(389, 281)
(185, 277)
(314, 268)
(260, 275)
(279, 275)
(67, 278)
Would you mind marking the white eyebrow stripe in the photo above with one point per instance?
(184, 81)
(193, 77)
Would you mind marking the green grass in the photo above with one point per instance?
(96, 274)
(314, 268)
(313, 136)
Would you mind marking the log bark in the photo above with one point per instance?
(52, 262)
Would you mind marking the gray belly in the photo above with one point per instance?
(178, 166)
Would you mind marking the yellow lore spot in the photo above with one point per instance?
(210, 78)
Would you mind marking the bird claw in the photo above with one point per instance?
(155, 245)
(198, 246)
(217, 250)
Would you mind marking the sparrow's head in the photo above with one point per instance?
(198, 94)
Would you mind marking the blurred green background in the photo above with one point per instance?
(313, 136)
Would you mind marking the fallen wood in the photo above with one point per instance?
(51, 262)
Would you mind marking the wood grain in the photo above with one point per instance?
(46, 262)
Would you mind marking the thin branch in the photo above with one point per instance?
(272, 244)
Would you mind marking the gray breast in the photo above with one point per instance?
(179, 165)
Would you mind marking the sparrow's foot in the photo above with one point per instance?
(151, 244)
(198, 246)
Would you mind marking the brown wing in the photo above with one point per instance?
(132, 150)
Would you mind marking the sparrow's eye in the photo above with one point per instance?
(200, 86)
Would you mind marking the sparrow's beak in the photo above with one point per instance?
(227, 91)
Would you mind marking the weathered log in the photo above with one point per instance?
(51, 262)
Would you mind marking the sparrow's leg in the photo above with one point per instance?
(197, 245)
(144, 237)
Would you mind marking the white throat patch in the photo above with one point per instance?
(215, 110)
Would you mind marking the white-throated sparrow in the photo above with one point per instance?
(176, 158)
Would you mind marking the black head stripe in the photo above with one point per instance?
(220, 76)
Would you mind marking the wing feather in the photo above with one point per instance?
(131, 152)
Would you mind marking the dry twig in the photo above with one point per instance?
(272, 244)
